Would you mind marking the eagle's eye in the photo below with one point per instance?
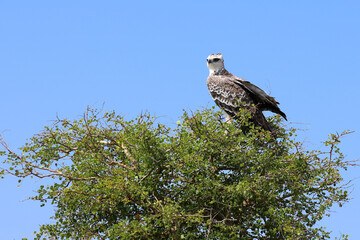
(216, 59)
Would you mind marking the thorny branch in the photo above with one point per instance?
(29, 168)
(168, 179)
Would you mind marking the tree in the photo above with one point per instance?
(202, 179)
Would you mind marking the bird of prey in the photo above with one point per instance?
(231, 93)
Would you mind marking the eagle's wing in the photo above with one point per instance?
(265, 101)
(230, 96)
(227, 94)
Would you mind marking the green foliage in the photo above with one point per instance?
(203, 179)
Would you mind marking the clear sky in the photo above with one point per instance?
(58, 57)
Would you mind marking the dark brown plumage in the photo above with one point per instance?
(231, 93)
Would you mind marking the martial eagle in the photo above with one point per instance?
(231, 93)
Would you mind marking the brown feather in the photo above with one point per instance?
(231, 93)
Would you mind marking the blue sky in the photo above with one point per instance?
(58, 57)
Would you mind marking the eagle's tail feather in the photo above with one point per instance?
(260, 120)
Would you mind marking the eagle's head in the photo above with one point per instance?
(215, 62)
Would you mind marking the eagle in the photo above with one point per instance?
(232, 93)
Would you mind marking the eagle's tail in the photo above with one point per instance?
(260, 121)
